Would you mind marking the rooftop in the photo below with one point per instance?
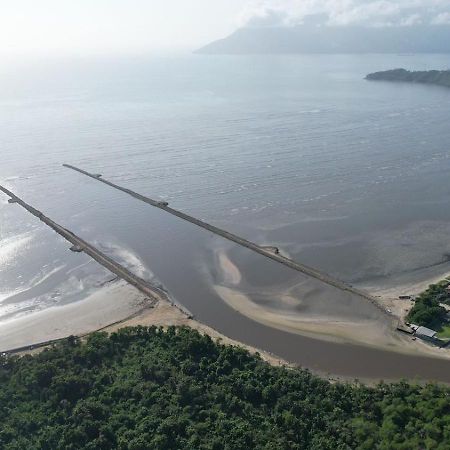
(424, 331)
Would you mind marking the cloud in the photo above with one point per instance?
(264, 17)
(413, 19)
(259, 13)
(442, 19)
(373, 12)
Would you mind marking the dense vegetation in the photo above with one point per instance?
(439, 77)
(144, 388)
(427, 310)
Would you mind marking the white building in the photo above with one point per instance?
(426, 333)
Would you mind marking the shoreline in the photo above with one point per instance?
(377, 333)
(140, 311)
(389, 297)
(119, 305)
(111, 303)
(165, 314)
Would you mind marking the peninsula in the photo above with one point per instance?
(437, 77)
(316, 37)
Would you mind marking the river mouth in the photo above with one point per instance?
(298, 152)
(254, 300)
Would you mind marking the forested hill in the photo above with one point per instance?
(313, 37)
(145, 388)
(439, 77)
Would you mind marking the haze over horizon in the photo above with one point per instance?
(65, 27)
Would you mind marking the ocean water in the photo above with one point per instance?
(345, 175)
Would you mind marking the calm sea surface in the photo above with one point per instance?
(349, 176)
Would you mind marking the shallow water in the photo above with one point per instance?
(345, 175)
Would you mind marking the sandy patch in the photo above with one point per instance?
(389, 297)
(230, 271)
(316, 310)
(112, 303)
(367, 333)
(406, 289)
(322, 327)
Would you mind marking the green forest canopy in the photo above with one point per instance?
(427, 310)
(145, 388)
(438, 77)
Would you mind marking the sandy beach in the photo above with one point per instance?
(389, 296)
(109, 309)
(109, 304)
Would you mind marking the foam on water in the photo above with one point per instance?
(129, 259)
(66, 284)
(34, 282)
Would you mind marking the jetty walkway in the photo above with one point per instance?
(154, 294)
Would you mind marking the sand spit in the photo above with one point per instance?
(318, 311)
(306, 307)
(324, 328)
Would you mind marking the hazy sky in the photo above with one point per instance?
(98, 26)
(136, 26)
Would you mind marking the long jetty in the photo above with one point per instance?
(264, 251)
(79, 245)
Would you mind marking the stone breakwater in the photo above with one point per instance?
(153, 293)
(262, 250)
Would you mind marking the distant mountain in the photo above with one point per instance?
(333, 39)
(439, 77)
